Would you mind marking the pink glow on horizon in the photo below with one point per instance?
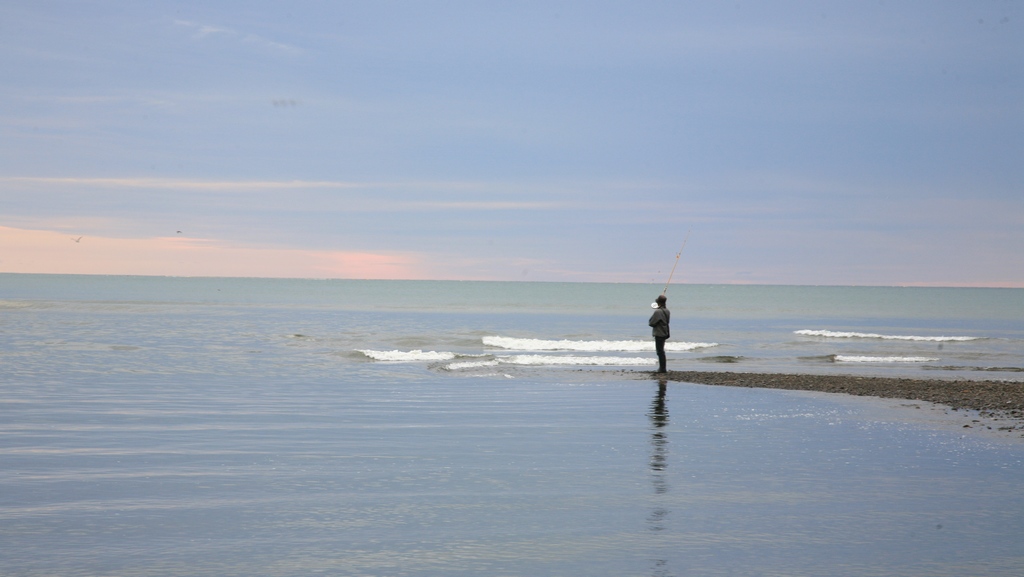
(50, 252)
(56, 252)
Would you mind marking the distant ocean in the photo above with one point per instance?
(222, 426)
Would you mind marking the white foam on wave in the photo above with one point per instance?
(553, 360)
(517, 344)
(575, 360)
(851, 335)
(408, 356)
(867, 359)
(462, 365)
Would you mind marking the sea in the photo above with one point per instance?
(164, 426)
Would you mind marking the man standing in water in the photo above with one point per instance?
(659, 328)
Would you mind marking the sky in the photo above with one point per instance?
(785, 142)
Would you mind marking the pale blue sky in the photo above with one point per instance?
(801, 142)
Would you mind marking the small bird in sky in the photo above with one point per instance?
(77, 239)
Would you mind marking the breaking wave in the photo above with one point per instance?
(408, 356)
(517, 344)
(553, 360)
(477, 361)
(851, 335)
(867, 359)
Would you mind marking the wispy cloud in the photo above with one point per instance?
(483, 205)
(43, 251)
(185, 184)
(372, 200)
(202, 31)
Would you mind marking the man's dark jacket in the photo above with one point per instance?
(659, 322)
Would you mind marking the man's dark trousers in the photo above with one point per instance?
(659, 346)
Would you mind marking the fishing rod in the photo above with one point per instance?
(665, 290)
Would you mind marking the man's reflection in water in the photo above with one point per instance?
(659, 461)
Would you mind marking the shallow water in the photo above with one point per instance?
(404, 475)
(247, 436)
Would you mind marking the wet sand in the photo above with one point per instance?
(999, 400)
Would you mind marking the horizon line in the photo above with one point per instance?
(520, 281)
